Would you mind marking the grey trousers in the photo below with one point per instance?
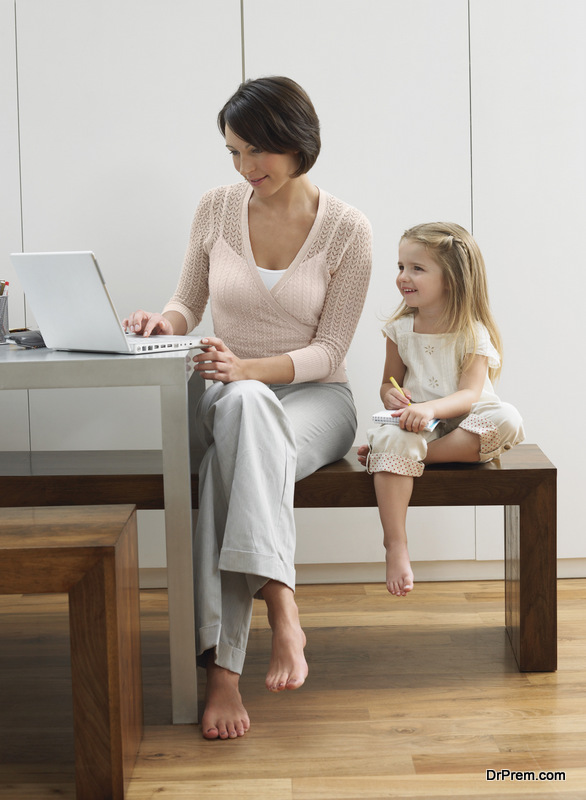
(257, 441)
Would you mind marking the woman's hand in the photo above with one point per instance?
(218, 363)
(147, 323)
(416, 416)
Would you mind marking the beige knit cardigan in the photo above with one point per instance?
(312, 311)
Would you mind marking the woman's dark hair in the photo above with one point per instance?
(276, 115)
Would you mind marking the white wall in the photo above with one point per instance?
(384, 128)
(529, 168)
(117, 105)
(118, 140)
(13, 405)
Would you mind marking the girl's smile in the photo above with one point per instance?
(420, 279)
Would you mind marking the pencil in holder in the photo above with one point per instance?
(3, 319)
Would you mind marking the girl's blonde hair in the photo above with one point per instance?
(467, 303)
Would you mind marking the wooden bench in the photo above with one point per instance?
(523, 481)
(90, 553)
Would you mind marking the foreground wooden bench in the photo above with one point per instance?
(523, 481)
(90, 553)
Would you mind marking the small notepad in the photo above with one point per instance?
(385, 417)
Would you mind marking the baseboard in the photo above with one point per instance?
(152, 578)
(423, 571)
(571, 567)
(374, 573)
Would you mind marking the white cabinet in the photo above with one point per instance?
(13, 405)
(529, 176)
(118, 105)
(389, 81)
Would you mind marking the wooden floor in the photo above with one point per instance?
(412, 698)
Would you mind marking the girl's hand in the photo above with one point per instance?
(218, 363)
(416, 416)
(393, 399)
(147, 323)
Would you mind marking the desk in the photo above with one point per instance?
(52, 369)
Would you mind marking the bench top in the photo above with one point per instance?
(120, 476)
(503, 481)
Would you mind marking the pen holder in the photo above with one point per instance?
(3, 319)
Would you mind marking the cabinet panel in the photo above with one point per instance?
(85, 419)
(10, 229)
(118, 105)
(389, 81)
(13, 405)
(354, 535)
(529, 170)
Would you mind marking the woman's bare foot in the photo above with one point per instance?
(224, 716)
(287, 668)
(399, 572)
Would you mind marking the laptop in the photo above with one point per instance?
(73, 308)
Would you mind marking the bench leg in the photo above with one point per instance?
(106, 672)
(530, 578)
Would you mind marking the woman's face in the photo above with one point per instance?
(267, 173)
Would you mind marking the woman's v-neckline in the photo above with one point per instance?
(302, 252)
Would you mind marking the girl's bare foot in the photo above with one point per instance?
(287, 668)
(399, 572)
(363, 453)
(224, 716)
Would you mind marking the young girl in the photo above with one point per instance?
(443, 348)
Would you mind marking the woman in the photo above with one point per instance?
(286, 267)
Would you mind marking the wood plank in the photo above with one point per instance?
(522, 480)
(112, 476)
(404, 699)
(82, 478)
(530, 575)
(90, 552)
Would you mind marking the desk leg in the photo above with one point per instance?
(530, 578)
(177, 487)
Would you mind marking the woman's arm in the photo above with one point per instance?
(416, 416)
(192, 292)
(218, 363)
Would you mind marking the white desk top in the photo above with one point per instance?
(57, 369)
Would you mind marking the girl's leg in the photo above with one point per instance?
(395, 458)
(458, 445)
(393, 493)
(484, 434)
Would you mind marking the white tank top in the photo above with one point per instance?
(270, 276)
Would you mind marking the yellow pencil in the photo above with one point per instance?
(396, 385)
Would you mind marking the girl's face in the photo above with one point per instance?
(420, 279)
(267, 173)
